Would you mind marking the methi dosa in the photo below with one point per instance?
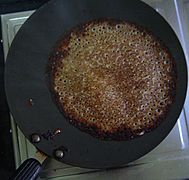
(112, 79)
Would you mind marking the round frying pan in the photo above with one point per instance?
(30, 100)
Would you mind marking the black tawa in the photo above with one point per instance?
(30, 100)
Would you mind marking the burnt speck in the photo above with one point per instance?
(31, 102)
(57, 131)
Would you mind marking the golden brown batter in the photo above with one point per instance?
(112, 79)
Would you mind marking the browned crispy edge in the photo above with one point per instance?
(123, 133)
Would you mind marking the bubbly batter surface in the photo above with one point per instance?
(112, 79)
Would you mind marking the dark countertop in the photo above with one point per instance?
(6, 151)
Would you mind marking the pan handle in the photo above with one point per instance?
(28, 170)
